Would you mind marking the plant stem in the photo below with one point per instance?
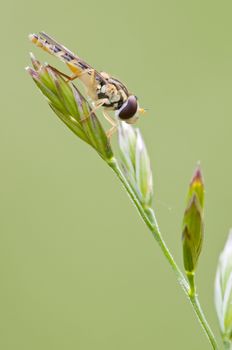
(227, 345)
(149, 218)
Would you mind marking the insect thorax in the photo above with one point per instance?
(115, 96)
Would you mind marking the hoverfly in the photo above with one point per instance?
(103, 89)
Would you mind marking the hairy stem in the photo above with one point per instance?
(149, 218)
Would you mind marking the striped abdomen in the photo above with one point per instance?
(61, 52)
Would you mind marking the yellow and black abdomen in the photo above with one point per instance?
(53, 48)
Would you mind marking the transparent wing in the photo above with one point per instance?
(55, 48)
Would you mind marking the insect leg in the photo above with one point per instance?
(109, 119)
(114, 127)
(59, 72)
(111, 131)
(97, 106)
(72, 77)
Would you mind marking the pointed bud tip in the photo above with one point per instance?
(33, 59)
(32, 56)
(36, 64)
(32, 72)
(197, 178)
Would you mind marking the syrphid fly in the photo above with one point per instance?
(103, 89)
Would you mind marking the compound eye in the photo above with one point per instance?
(129, 109)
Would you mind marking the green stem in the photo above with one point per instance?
(149, 218)
(227, 345)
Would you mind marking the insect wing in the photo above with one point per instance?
(75, 63)
(52, 41)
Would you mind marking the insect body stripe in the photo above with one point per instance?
(75, 63)
(51, 48)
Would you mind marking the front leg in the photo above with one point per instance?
(97, 105)
(57, 71)
(76, 75)
(111, 131)
(113, 122)
(108, 118)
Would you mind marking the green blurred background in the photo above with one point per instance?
(79, 269)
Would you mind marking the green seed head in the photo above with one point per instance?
(71, 107)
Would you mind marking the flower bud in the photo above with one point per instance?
(135, 163)
(223, 291)
(71, 107)
(143, 171)
(193, 228)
